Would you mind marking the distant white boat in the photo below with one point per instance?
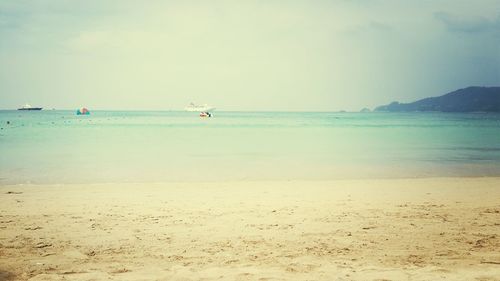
(199, 108)
(29, 107)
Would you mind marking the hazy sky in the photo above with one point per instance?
(243, 55)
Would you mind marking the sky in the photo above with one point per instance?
(310, 55)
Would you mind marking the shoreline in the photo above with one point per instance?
(256, 181)
(365, 229)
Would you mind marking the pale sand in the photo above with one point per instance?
(411, 229)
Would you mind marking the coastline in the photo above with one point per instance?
(367, 229)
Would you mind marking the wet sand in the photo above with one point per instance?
(397, 229)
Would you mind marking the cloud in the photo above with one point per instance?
(468, 25)
(89, 40)
(251, 54)
(379, 26)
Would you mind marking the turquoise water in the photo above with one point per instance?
(115, 146)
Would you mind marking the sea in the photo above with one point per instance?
(59, 147)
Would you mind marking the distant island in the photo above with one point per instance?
(471, 99)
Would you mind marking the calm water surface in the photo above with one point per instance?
(115, 146)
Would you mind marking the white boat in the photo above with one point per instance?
(29, 107)
(199, 108)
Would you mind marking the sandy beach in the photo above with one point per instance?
(395, 229)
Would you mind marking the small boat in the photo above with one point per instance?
(205, 114)
(29, 107)
(199, 108)
(83, 111)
